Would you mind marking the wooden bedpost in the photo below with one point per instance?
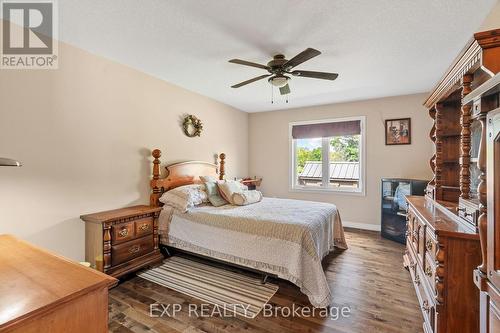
(222, 170)
(156, 191)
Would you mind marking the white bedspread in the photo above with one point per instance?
(288, 238)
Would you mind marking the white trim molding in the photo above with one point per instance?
(363, 226)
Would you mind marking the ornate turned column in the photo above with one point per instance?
(482, 221)
(156, 236)
(439, 152)
(432, 136)
(155, 195)
(106, 246)
(222, 170)
(465, 139)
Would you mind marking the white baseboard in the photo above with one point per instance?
(364, 226)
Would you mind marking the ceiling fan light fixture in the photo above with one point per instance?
(279, 66)
(279, 81)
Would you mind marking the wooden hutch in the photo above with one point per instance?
(447, 229)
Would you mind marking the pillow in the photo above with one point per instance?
(246, 197)
(195, 193)
(184, 197)
(211, 179)
(213, 194)
(174, 201)
(228, 187)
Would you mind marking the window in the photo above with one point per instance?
(328, 155)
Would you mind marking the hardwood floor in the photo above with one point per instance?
(368, 278)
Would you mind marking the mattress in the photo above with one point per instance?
(284, 237)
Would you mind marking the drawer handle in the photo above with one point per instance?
(425, 306)
(123, 232)
(407, 233)
(134, 249)
(417, 280)
(465, 212)
(428, 271)
(412, 265)
(144, 227)
(428, 245)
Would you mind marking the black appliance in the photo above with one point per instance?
(394, 205)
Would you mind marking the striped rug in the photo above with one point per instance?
(235, 292)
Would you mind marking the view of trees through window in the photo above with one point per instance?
(342, 149)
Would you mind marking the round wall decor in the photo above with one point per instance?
(192, 126)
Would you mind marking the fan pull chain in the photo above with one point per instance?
(272, 95)
(286, 96)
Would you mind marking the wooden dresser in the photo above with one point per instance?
(42, 292)
(121, 241)
(486, 98)
(441, 253)
(447, 228)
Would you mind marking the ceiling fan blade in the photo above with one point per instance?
(248, 63)
(301, 57)
(285, 89)
(250, 81)
(316, 75)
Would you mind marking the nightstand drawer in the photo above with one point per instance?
(144, 226)
(133, 249)
(122, 232)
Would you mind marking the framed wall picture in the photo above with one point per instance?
(398, 131)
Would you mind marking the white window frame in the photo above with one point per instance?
(295, 187)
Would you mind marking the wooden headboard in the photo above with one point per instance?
(183, 173)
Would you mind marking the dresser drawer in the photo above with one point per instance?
(144, 226)
(412, 260)
(409, 223)
(122, 232)
(132, 249)
(421, 242)
(430, 245)
(426, 302)
(413, 231)
(430, 271)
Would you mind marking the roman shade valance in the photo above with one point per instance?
(322, 130)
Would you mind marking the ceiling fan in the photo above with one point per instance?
(280, 66)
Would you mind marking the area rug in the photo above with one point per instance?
(231, 291)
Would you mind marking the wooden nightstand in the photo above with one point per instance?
(124, 240)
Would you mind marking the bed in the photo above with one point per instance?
(282, 237)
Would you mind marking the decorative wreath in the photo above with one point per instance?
(192, 126)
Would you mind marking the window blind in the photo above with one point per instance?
(324, 130)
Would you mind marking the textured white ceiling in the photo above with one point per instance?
(379, 48)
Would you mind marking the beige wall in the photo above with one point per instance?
(269, 155)
(84, 134)
(492, 21)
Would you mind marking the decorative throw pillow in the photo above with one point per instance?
(211, 179)
(175, 201)
(184, 197)
(213, 194)
(246, 197)
(228, 187)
